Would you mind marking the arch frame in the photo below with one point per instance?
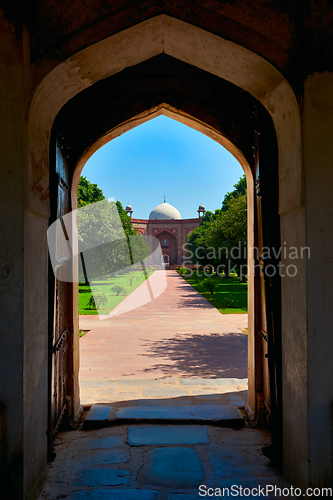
(215, 55)
(195, 46)
(192, 122)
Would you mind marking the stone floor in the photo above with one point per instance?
(150, 391)
(159, 462)
(175, 359)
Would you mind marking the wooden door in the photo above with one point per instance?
(60, 291)
(265, 397)
(268, 283)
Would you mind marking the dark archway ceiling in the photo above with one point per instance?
(294, 35)
(160, 80)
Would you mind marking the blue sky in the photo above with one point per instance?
(164, 157)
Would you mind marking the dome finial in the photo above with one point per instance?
(164, 199)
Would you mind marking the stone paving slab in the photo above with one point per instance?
(115, 495)
(229, 464)
(98, 383)
(229, 451)
(140, 382)
(225, 415)
(170, 387)
(101, 477)
(165, 402)
(164, 393)
(139, 435)
(199, 381)
(102, 442)
(103, 457)
(98, 413)
(171, 467)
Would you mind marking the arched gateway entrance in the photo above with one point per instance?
(73, 143)
(234, 96)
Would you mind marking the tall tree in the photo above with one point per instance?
(197, 240)
(240, 188)
(101, 233)
(88, 193)
(228, 233)
(221, 237)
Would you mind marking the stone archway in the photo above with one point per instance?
(165, 259)
(169, 246)
(215, 55)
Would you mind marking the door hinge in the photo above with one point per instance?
(59, 342)
(264, 335)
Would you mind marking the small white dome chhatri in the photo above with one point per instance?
(164, 211)
(201, 210)
(129, 208)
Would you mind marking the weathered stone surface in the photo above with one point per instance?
(234, 397)
(98, 413)
(212, 381)
(170, 380)
(235, 463)
(113, 456)
(103, 442)
(101, 477)
(164, 402)
(129, 394)
(172, 468)
(185, 496)
(98, 383)
(140, 383)
(106, 392)
(228, 414)
(139, 435)
(237, 403)
(114, 495)
(165, 392)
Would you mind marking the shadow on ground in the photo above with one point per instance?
(191, 300)
(191, 400)
(209, 355)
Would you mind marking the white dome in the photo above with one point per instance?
(164, 211)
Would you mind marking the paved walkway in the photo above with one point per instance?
(175, 357)
(171, 347)
(160, 462)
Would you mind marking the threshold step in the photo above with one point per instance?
(222, 415)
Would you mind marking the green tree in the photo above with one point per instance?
(125, 220)
(88, 193)
(98, 299)
(102, 239)
(107, 236)
(197, 240)
(119, 290)
(240, 189)
(228, 233)
(220, 240)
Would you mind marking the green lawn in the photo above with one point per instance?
(229, 297)
(106, 287)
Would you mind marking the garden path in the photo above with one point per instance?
(171, 346)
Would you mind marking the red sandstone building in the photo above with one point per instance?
(165, 223)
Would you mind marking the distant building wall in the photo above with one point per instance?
(179, 228)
